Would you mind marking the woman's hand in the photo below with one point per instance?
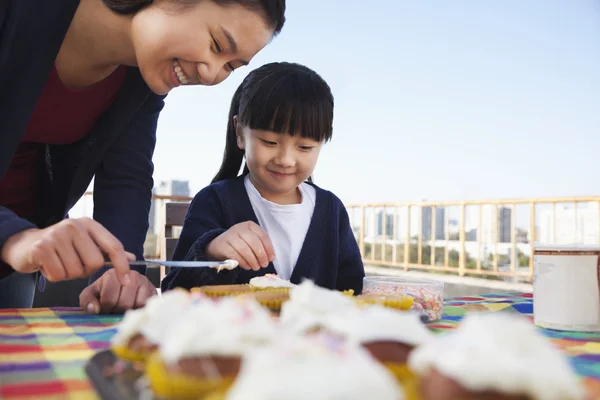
(245, 242)
(72, 248)
(106, 295)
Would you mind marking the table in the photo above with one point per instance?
(43, 351)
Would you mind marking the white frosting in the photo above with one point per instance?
(150, 320)
(228, 265)
(227, 327)
(270, 280)
(499, 352)
(377, 323)
(315, 368)
(312, 306)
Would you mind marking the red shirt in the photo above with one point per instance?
(61, 116)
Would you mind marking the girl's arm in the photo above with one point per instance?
(351, 270)
(204, 221)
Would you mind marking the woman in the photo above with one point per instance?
(82, 84)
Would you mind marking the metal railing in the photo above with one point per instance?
(491, 239)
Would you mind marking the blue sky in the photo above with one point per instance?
(437, 100)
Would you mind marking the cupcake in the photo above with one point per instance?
(270, 283)
(399, 302)
(493, 357)
(310, 306)
(319, 367)
(271, 300)
(204, 349)
(141, 330)
(389, 335)
(223, 290)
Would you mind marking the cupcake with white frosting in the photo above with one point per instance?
(141, 330)
(320, 367)
(311, 306)
(495, 356)
(389, 335)
(204, 349)
(271, 282)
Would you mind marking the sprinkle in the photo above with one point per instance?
(426, 300)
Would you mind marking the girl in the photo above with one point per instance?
(272, 218)
(82, 85)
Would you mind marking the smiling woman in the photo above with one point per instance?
(97, 74)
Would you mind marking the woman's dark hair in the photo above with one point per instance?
(272, 10)
(280, 97)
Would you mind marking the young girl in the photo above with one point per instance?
(272, 218)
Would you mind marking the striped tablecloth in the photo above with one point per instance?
(43, 351)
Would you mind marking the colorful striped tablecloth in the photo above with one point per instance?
(43, 351)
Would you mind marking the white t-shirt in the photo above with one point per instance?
(286, 224)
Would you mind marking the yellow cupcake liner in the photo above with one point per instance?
(217, 395)
(223, 290)
(279, 290)
(398, 302)
(272, 301)
(349, 292)
(179, 386)
(407, 379)
(128, 354)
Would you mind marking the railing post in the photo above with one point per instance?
(395, 237)
(433, 235)
(383, 232)
(407, 240)
(532, 237)
(361, 236)
(420, 237)
(461, 255)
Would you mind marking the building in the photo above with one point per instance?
(389, 225)
(569, 225)
(426, 219)
(504, 224)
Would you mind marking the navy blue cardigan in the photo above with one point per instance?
(329, 256)
(117, 152)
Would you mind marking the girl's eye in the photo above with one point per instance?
(306, 148)
(217, 46)
(268, 142)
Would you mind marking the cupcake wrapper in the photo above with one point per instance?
(179, 386)
(407, 379)
(223, 290)
(125, 353)
(281, 290)
(398, 302)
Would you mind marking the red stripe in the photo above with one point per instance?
(28, 389)
(19, 348)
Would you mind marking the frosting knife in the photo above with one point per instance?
(227, 264)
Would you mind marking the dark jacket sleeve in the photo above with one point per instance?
(351, 270)
(204, 221)
(10, 224)
(123, 182)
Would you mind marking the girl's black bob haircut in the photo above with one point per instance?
(282, 97)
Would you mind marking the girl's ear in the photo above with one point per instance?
(238, 133)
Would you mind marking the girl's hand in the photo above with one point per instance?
(73, 248)
(245, 242)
